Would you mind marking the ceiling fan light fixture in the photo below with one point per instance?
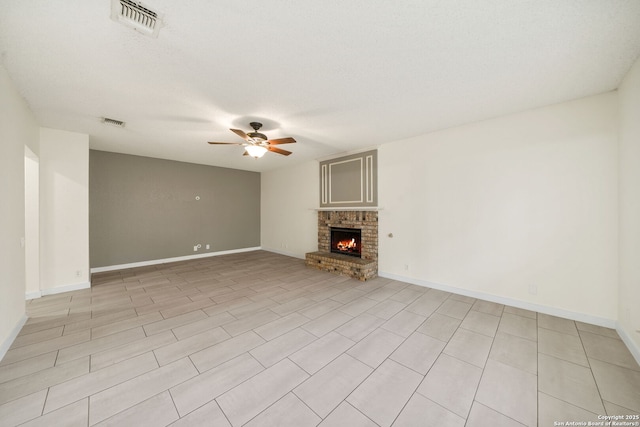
(255, 151)
(256, 143)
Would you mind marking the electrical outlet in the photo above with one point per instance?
(195, 248)
(406, 267)
(208, 246)
(78, 273)
(533, 289)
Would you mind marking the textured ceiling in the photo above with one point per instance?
(336, 75)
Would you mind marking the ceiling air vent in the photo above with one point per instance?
(113, 122)
(134, 15)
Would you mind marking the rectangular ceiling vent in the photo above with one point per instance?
(134, 15)
(113, 122)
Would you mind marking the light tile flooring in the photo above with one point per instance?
(258, 339)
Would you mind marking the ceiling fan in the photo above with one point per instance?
(256, 143)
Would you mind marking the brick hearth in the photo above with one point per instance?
(359, 268)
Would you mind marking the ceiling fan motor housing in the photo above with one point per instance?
(257, 135)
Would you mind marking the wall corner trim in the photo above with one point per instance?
(168, 260)
(57, 290)
(630, 343)
(6, 344)
(32, 295)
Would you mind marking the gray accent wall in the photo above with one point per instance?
(144, 209)
(350, 181)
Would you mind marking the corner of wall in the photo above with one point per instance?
(64, 210)
(19, 130)
(6, 344)
(629, 209)
(631, 344)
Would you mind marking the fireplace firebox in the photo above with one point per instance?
(346, 241)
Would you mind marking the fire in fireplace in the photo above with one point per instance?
(347, 241)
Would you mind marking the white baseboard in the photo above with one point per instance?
(66, 288)
(553, 311)
(57, 290)
(4, 347)
(630, 343)
(33, 295)
(168, 260)
(289, 254)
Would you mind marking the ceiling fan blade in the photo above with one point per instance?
(279, 151)
(281, 141)
(241, 134)
(227, 143)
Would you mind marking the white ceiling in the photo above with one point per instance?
(336, 75)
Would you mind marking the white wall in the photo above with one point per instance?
(289, 223)
(18, 129)
(629, 161)
(489, 209)
(64, 210)
(495, 207)
(32, 224)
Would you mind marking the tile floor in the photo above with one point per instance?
(258, 339)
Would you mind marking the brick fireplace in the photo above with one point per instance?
(362, 268)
